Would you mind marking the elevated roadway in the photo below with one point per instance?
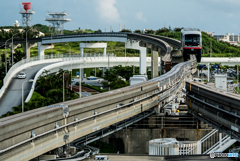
(222, 60)
(13, 95)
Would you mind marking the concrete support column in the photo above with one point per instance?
(29, 46)
(132, 44)
(143, 59)
(93, 45)
(41, 49)
(81, 52)
(27, 50)
(177, 56)
(154, 62)
(105, 51)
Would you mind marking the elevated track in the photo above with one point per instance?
(30, 134)
(27, 135)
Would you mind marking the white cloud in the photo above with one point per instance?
(139, 16)
(107, 11)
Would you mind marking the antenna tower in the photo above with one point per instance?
(57, 19)
(26, 14)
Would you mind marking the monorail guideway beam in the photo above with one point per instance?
(216, 107)
(94, 113)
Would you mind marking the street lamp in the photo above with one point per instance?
(63, 86)
(51, 38)
(12, 47)
(30, 80)
(80, 82)
(71, 63)
(109, 71)
(26, 41)
(211, 47)
(6, 55)
(237, 71)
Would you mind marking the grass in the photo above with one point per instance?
(95, 88)
(117, 48)
(87, 71)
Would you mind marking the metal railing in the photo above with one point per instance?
(24, 63)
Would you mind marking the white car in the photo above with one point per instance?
(92, 78)
(21, 75)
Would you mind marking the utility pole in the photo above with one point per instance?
(109, 71)
(211, 48)
(80, 82)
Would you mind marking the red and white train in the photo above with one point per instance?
(191, 39)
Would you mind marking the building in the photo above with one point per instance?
(209, 33)
(16, 24)
(230, 38)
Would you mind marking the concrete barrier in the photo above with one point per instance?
(25, 63)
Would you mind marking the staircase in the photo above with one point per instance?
(215, 142)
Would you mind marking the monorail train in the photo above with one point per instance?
(191, 39)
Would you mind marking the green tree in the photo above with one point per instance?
(110, 75)
(177, 29)
(138, 31)
(126, 30)
(150, 31)
(98, 31)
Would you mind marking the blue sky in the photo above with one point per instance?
(219, 16)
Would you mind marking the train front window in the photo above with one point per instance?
(192, 40)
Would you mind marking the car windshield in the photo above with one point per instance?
(192, 40)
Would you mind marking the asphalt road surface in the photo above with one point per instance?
(13, 94)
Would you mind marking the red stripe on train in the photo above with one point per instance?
(192, 47)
